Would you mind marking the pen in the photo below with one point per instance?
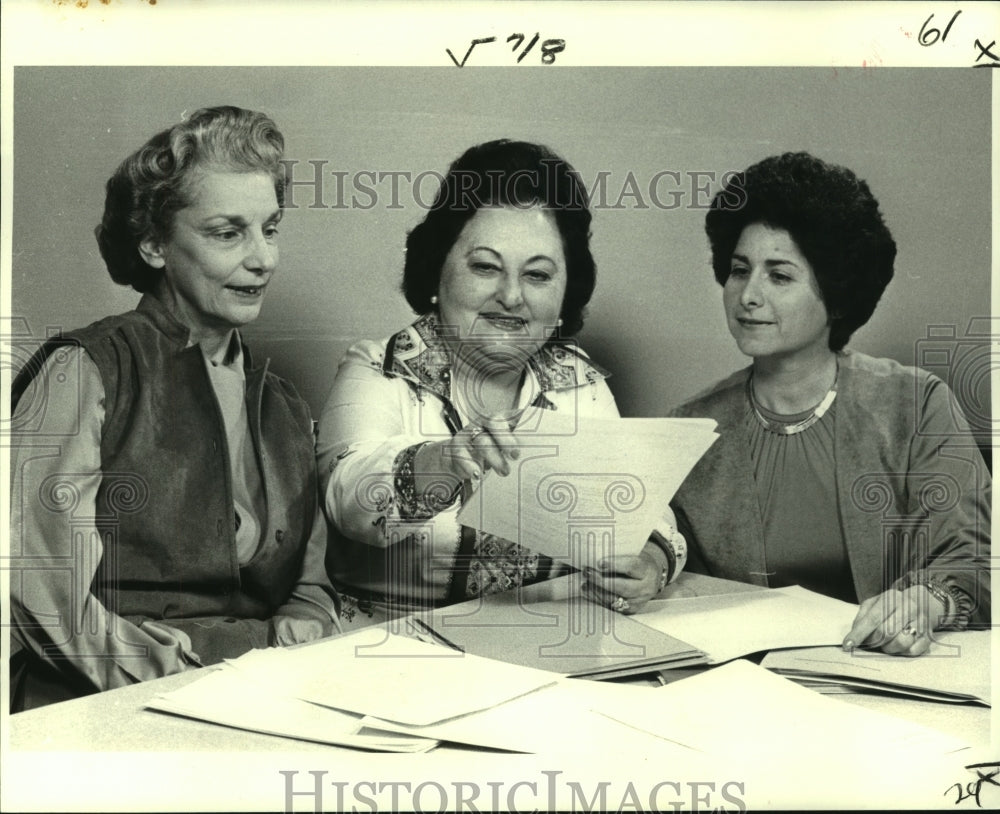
(437, 636)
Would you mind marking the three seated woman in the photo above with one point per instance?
(194, 468)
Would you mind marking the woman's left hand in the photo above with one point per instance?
(896, 622)
(624, 583)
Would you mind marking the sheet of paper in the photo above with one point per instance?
(587, 488)
(555, 719)
(957, 664)
(393, 677)
(743, 712)
(728, 626)
(227, 696)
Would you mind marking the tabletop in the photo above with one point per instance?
(111, 737)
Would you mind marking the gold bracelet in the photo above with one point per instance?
(661, 543)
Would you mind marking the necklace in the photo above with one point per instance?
(783, 428)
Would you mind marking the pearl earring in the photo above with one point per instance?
(559, 322)
(434, 299)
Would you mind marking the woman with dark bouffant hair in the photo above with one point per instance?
(183, 497)
(853, 476)
(499, 273)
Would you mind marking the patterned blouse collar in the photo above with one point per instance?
(419, 354)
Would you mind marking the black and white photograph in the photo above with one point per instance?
(498, 407)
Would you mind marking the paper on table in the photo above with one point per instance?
(728, 626)
(587, 488)
(573, 637)
(227, 696)
(557, 718)
(956, 667)
(742, 711)
(854, 686)
(392, 677)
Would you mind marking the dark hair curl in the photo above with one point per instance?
(504, 173)
(834, 220)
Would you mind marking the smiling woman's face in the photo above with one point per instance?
(221, 253)
(503, 283)
(773, 303)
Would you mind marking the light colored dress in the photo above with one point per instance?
(395, 553)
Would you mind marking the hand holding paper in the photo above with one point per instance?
(634, 579)
(583, 489)
(490, 446)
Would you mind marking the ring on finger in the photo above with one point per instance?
(476, 432)
(620, 604)
(910, 630)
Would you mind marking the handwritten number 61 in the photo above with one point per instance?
(929, 36)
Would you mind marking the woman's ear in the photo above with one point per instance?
(152, 252)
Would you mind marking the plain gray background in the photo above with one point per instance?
(920, 137)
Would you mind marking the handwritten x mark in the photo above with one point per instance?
(986, 778)
(984, 51)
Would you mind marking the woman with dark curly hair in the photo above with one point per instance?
(853, 476)
(172, 477)
(499, 272)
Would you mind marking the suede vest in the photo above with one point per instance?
(165, 506)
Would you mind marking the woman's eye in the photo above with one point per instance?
(227, 235)
(270, 232)
(538, 276)
(780, 278)
(484, 268)
(738, 271)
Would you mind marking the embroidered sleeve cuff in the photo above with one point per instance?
(411, 504)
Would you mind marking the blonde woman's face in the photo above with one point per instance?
(222, 251)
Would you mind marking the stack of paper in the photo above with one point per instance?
(573, 637)
(727, 626)
(566, 718)
(956, 668)
(737, 715)
(587, 488)
(322, 691)
(227, 696)
(746, 713)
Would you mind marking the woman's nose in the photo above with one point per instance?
(752, 294)
(509, 294)
(262, 255)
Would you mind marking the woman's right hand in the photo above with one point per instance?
(471, 452)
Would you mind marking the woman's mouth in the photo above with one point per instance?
(249, 291)
(746, 322)
(505, 322)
